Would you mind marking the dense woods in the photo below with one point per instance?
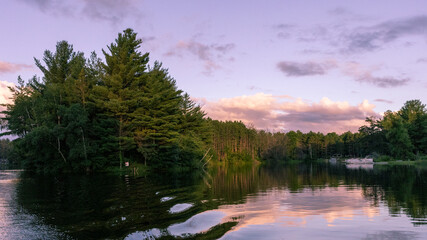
(398, 135)
(87, 114)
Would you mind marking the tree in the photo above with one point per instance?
(397, 135)
(412, 110)
(157, 120)
(122, 86)
(412, 114)
(373, 139)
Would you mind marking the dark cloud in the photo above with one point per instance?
(6, 67)
(383, 100)
(148, 39)
(365, 74)
(110, 10)
(284, 26)
(55, 7)
(315, 33)
(318, 117)
(210, 54)
(339, 11)
(383, 82)
(324, 113)
(284, 30)
(43, 5)
(310, 51)
(297, 69)
(224, 49)
(374, 37)
(253, 87)
(113, 11)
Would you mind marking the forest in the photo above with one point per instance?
(400, 135)
(89, 114)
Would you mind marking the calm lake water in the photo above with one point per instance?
(304, 201)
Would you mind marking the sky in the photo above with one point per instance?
(276, 65)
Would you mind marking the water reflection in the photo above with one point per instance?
(15, 221)
(318, 201)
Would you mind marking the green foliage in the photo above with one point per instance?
(233, 141)
(398, 137)
(85, 114)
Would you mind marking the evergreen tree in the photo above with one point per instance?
(157, 120)
(122, 86)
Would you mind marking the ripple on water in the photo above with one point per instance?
(149, 234)
(180, 207)
(199, 223)
(165, 199)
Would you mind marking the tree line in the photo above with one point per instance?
(398, 135)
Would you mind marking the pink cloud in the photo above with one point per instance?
(6, 67)
(276, 113)
(5, 93)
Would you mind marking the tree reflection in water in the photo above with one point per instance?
(237, 201)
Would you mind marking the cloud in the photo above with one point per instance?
(384, 82)
(114, 11)
(210, 54)
(339, 11)
(6, 67)
(383, 100)
(355, 70)
(5, 93)
(54, 7)
(148, 39)
(284, 113)
(364, 75)
(110, 10)
(314, 33)
(422, 60)
(374, 37)
(284, 30)
(297, 69)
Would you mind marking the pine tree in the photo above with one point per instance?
(122, 84)
(157, 120)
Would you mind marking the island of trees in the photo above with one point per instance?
(86, 114)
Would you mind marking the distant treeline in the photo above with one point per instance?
(86, 114)
(399, 135)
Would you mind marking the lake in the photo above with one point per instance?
(298, 201)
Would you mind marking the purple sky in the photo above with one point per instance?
(277, 65)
